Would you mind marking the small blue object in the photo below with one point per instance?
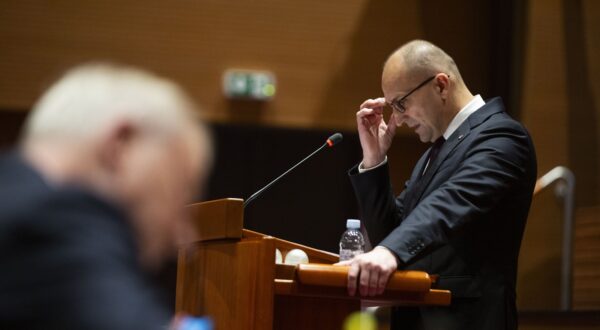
(195, 323)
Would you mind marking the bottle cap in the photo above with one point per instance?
(353, 223)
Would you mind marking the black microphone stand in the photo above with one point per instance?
(333, 140)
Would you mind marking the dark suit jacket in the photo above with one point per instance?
(464, 220)
(67, 259)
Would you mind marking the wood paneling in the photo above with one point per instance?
(584, 136)
(544, 112)
(540, 259)
(560, 108)
(234, 282)
(586, 260)
(538, 278)
(327, 55)
(209, 282)
(544, 102)
(291, 312)
(560, 93)
(588, 145)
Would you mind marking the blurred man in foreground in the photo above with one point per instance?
(93, 200)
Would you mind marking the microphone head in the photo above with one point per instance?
(335, 139)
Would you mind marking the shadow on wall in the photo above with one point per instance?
(583, 119)
(383, 26)
(477, 34)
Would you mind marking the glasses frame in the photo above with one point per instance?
(398, 105)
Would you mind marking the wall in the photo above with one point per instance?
(560, 107)
(327, 55)
(544, 104)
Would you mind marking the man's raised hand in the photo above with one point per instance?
(375, 134)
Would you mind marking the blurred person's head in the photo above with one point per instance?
(129, 136)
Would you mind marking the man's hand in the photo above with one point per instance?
(375, 135)
(370, 271)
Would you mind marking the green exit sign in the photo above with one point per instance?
(249, 84)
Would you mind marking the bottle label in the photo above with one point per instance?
(349, 254)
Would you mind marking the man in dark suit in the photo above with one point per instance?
(462, 213)
(92, 202)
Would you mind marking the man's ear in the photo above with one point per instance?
(116, 144)
(442, 82)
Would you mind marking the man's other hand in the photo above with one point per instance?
(370, 271)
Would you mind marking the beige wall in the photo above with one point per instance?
(544, 105)
(589, 145)
(560, 107)
(327, 55)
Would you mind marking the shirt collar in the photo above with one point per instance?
(464, 113)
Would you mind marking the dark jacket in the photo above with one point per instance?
(67, 259)
(463, 220)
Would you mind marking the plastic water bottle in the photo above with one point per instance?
(352, 242)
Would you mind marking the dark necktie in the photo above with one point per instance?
(435, 150)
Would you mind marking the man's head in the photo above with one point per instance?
(424, 86)
(131, 137)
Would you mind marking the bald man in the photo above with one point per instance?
(92, 202)
(462, 213)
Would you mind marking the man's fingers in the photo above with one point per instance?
(373, 103)
(394, 121)
(382, 283)
(374, 282)
(364, 112)
(369, 113)
(369, 119)
(343, 263)
(365, 275)
(353, 273)
(390, 130)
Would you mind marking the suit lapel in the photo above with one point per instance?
(481, 115)
(415, 178)
(455, 139)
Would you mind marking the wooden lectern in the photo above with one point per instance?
(229, 274)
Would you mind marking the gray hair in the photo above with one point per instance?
(90, 97)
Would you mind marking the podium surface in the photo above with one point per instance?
(229, 274)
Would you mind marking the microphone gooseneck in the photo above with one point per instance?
(331, 141)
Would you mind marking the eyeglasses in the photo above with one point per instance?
(398, 104)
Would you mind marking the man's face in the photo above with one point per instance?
(421, 113)
(159, 179)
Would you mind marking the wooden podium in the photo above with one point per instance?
(229, 274)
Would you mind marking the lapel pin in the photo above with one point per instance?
(460, 137)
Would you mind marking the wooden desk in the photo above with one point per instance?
(235, 280)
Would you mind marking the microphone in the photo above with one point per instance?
(331, 141)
